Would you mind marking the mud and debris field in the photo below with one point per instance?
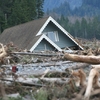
(45, 75)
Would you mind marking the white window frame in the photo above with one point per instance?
(45, 47)
(56, 37)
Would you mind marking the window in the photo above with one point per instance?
(53, 35)
(56, 36)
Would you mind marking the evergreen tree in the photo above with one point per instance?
(84, 27)
(22, 11)
(2, 22)
(62, 21)
(77, 29)
(96, 27)
(14, 12)
(39, 8)
(5, 11)
(32, 9)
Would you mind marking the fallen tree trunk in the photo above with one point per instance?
(45, 64)
(25, 83)
(82, 58)
(34, 81)
(36, 54)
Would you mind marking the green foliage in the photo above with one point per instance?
(87, 8)
(41, 95)
(14, 12)
(13, 98)
(63, 9)
(18, 98)
(84, 29)
(77, 28)
(39, 8)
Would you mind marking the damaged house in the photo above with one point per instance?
(39, 35)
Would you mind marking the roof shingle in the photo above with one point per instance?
(23, 35)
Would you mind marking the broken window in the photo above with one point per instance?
(53, 35)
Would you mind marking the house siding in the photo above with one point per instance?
(64, 41)
(44, 45)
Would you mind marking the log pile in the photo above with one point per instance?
(93, 79)
(10, 53)
(5, 52)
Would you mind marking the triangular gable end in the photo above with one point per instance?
(60, 27)
(40, 39)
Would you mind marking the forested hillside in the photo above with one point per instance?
(84, 28)
(88, 8)
(73, 8)
(82, 21)
(86, 25)
(51, 4)
(14, 12)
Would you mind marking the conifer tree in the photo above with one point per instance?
(39, 8)
(14, 12)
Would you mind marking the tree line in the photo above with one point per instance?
(87, 8)
(84, 28)
(14, 12)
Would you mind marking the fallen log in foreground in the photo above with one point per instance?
(34, 81)
(82, 58)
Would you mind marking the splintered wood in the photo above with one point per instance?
(3, 50)
(93, 82)
(73, 75)
(93, 79)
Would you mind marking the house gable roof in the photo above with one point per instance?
(60, 27)
(23, 34)
(28, 35)
(46, 38)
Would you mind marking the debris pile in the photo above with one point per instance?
(49, 75)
